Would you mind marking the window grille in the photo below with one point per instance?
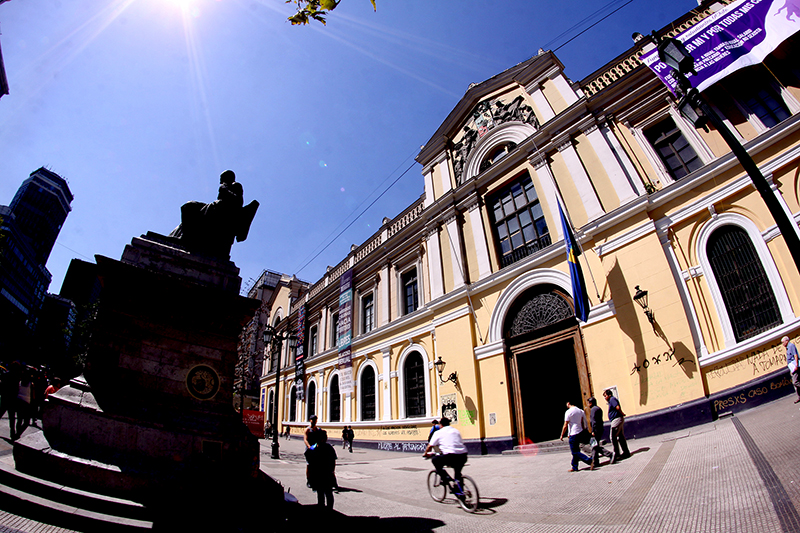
(368, 310)
(311, 399)
(414, 386)
(746, 292)
(367, 387)
(336, 400)
(410, 294)
(519, 225)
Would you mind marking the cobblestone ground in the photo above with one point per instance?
(738, 474)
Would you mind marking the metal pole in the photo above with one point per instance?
(786, 226)
(276, 447)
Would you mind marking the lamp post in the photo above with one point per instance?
(641, 298)
(275, 339)
(695, 109)
(439, 364)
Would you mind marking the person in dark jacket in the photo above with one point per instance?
(596, 418)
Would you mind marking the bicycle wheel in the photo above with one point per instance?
(470, 499)
(436, 488)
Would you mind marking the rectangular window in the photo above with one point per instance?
(367, 312)
(312, 341)
(334, 330)
(673, 149)
(519, 225)
(410, 296)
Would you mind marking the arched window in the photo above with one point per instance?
(414, 381)
(270, 405)
(293, 404)
(743, 283)
(367, 393)
(336, 400)
(311, 399)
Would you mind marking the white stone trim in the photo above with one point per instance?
(515, 132)
(364, 364)
(401, 385)
(767, 261)
(581, 180)
(516, 288)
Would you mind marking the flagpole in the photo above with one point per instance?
(560, 200)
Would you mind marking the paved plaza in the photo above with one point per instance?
(739, 474)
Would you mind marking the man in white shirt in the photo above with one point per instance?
(793, 362)
(575, 423)
(453, 452)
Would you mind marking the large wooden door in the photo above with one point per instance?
(545, 373)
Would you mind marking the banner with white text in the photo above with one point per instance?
(740, 35)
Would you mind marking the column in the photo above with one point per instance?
(616, 174)
(548, 191)
(581, 179)
(385, 298)
(427, 174)
(545, 112)
(479, 240)
(456, 250)
(386, 383)
(435, 263)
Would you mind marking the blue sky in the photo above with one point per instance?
(141, 104)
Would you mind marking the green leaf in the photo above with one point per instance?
(374, 5)
(330, 5)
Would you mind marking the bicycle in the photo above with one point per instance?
(465, 490)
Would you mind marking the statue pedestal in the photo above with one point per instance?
(155, 413)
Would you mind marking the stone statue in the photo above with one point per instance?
(209, 229)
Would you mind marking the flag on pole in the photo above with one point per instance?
(575, 273)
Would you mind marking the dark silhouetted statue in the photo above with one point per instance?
(209, 229)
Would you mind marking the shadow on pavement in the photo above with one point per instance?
(309, 517)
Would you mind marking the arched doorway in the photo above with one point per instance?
(546, 362)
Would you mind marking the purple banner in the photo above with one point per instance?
(740, 35)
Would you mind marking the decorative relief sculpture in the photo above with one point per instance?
(486, 116)
(209, 229)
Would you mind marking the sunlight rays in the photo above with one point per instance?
(199, 76)
(33, 78)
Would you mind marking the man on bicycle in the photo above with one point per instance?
(453, 452)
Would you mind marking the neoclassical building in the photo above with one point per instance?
(475, 272)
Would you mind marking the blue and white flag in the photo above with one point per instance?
(579, 295)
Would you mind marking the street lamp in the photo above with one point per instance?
(641, 298)
(275, 339)
(439, 364)
(695, 109)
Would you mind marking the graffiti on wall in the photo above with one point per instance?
(667, 358)
(757, 362)
(403, 446)
(749, 394)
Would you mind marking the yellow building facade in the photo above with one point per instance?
(475, 272)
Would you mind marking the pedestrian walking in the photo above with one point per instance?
(575, 427)
(350, 436)
(617, 419)
(9, 386)
(596, 420)
(321, 459)
(23, 405)
(793, 362)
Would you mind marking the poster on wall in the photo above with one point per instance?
(449, 407)
(740, 35)
(344, 334)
